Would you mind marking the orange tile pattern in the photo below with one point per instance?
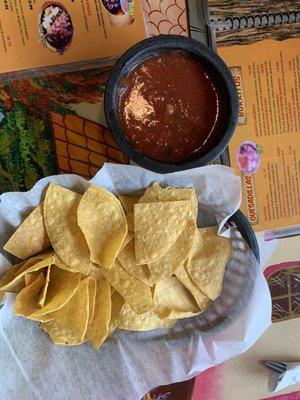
(82, 146)
(166, 17)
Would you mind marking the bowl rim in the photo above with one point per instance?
(138, 53)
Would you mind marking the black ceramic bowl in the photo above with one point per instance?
(212, 63)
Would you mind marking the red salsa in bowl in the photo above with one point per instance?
(169, 106)
(171, 103)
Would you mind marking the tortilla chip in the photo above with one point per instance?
(130, 222)
(168, 264)
(74, 315)
(173, 300)
(156, 193)
(60, 334)
(8, 280)
(42, 297)
(61, 264)
(62, 286)
(67, 239)
(208, 260)
(14, 278)
(96, 272)
(127, 259)
(127, 239)
(157, 226)
(103, 222)
(131, 321)
(31, 236)
(117, 302)
(201, 299)
(128, 203)
(92, 297)
(136, 293)
(30, 278)
(27, 300)
(98, 329)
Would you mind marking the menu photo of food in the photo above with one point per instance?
(117, 6)
(52, 33)
(56, 28)
(248, 157)
(121, 12)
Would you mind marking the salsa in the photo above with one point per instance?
(169, 107)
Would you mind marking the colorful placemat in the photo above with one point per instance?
(55, 124)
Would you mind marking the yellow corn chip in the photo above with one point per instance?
(173, 300)
(42, 297)
(130, 222)
(131, 321)
(30, 278)
(9, 283)
(157, 227)
(67, 239)
(127, 259)
(96, 272)
(27, 300)
(128, 203)
(201, 299)
(61, 264)
(74, 315)
(166, 265)
(92, 297)
(14, 278)
(136, 293)
(60, 334)
(117, 302)
(31, 236)
(62, 286)
(207, 261)
(156, 193)
(98, 329)
(127, 239)
(101, 212)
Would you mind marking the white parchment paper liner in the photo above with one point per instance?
(129, 364)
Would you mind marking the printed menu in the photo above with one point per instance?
(39, 33)
(265, 149)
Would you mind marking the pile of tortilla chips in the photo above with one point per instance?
(93, 263)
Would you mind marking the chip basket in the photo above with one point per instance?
(238, 279)
(239, 221)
